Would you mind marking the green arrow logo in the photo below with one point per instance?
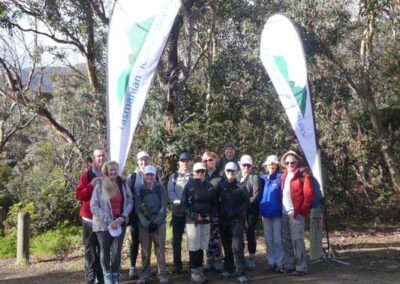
(300, 92)
(137, 35)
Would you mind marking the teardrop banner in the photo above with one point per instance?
(137, 36)
(283, 57)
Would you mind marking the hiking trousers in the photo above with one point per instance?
(294, 249)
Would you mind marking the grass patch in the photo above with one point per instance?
(8, 245)
(57, 242)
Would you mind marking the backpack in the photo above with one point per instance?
(133, 219)
(91, 175)
(317, 194)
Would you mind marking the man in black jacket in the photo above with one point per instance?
(233, 203)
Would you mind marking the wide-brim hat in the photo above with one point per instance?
(290, 152)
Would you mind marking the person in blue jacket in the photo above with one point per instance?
(271, 212)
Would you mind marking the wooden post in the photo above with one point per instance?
(2, 217)
(316, 228)
(23, 238)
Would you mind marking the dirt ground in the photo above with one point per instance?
(372, 257)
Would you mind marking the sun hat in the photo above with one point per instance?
(115, 232)
(290, 152)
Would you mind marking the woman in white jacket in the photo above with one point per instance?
(110, 204)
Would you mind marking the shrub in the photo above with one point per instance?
(58, 242)
(8, 245)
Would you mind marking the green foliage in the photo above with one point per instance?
(62, 240)
(8, 245)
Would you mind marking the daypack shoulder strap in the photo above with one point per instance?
(91, 175)
(133, 180)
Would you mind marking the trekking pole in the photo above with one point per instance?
(330, 254)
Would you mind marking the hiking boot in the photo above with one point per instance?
(133, 274)
(269, 267)
(279, 269)
(217, 264)
(176, 269)
(251, 264)
(163, 280)
(153, 271)
(209, 265)
(204, 278)
(225, 275)
(197, 276)
(243, 279)
(288, 270)
(299, 273)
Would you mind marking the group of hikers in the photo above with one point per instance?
(217, 202)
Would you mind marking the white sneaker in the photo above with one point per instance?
(133, 274)
(242, 280)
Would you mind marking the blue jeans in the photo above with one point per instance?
(273, 240)
(110, 251)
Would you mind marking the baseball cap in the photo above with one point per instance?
(142, 154)
(184, 156)
(198, 166)
(231, 166)
(271, 159)
(150, 169)
(246, 160)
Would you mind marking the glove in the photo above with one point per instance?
(152, 228)
(199, 219)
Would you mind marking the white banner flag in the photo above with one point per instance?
(137, 36)
(283, 57)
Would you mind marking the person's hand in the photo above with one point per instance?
(152, 227)
(120, 220)
(94, 181)
(115, 224)
(291, 214)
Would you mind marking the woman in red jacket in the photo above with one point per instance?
(297, 195)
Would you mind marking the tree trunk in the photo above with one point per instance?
(368, 102)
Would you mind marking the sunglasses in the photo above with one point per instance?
(246, 166)
(209, 160)
(200, 171)
(230, 171)
(291, 163)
